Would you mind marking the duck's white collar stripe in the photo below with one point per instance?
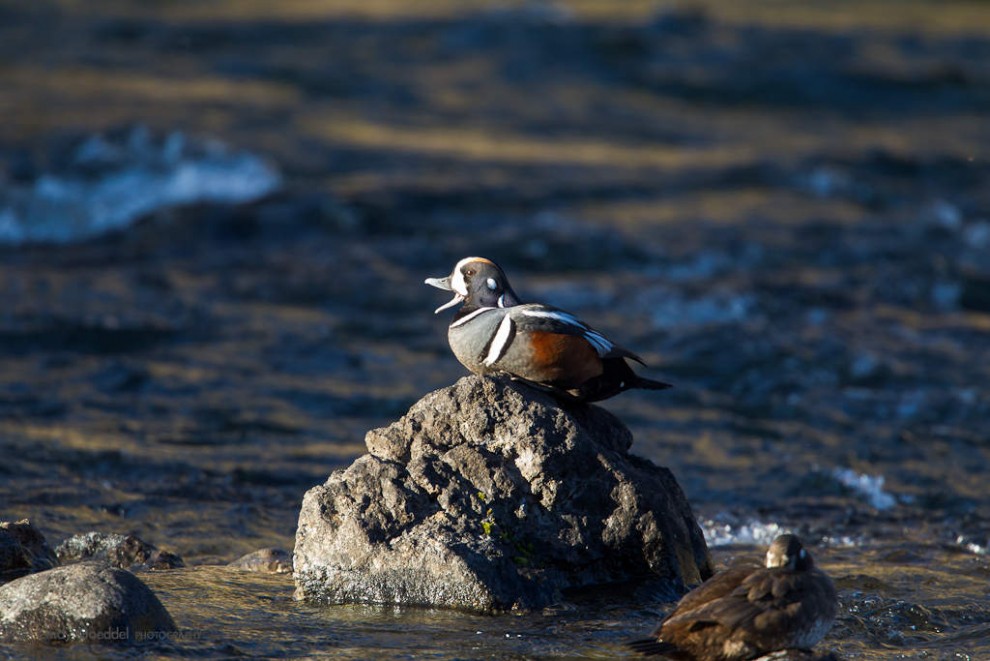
(500, 343)
(468, 317)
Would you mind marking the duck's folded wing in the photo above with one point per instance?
(548, 319)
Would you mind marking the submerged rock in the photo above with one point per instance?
(489, 495)
(88, 601)
(117, 550)
(23, 550)
(269, 561)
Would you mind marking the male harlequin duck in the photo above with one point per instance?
(746, 612)
(494, 333)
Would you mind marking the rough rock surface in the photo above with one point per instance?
(117, 550)
(23, 549)
(268, 561)
(88, 601)
(489, 495)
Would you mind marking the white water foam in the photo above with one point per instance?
(869, 487)
(726, 529)
(111, 183)
(757, 533)
(971, 546)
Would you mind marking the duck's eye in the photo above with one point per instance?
(492, 284)
(469, 272)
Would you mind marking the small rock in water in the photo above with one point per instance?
(270, 561)
(88, 602)
(23, 550)
(121, 551)
(489, 495)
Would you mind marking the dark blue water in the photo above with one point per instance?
(787, 218)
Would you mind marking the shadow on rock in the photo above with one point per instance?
(23, 550)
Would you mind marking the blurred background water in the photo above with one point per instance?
(216, 219)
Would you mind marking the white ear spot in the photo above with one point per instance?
(492, 284)
(802, 554)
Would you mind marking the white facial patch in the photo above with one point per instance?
(457, 277)
(457, 282)
(492, 284)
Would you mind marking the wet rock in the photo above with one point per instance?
(489, 495)
(269, 561)
(23, 550)
(120, 551)
(83, 602)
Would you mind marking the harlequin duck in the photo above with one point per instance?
(494, 333)
(746, 612)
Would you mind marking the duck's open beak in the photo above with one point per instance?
(444, 283)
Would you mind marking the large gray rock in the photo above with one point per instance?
(23, 549)
(489, 495)
(89, 601)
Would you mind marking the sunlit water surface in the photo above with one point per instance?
(800, 243)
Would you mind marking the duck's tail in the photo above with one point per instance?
(649, 384)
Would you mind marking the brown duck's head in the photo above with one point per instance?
(788, 552)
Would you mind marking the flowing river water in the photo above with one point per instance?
(784, 209)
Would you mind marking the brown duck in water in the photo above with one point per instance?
(746, 612)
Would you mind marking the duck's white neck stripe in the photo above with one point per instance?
(468, 317)
(500, 343)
